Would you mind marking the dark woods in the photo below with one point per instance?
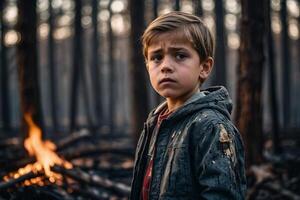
(77, 65)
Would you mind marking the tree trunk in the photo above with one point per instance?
(155, 9)
(250, 69)
(156, 97)
(177, 5)
(198, 7)
(77, 64)
(83, 87)
(285, 64)
(27, 62)
(220, 66)
(272, 81)
(95, 65)
(113, 81)
(298, 65)
(5, 102)
(137, 68)
(52, 68)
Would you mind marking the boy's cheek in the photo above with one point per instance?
(152, 80)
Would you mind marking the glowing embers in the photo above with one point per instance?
(44, 152)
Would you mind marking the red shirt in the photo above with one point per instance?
(147, 178)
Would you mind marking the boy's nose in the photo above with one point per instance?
(166, 66)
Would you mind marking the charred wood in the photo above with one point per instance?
(34, 192)
(91, 150)
(111, 171)
(268, 188)
(14, 181)
(91, 193)
(11, 166)
(63, 193)
(15, 141)
(73, 138)
(277, 188)
(81, 176)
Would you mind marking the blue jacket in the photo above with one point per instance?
(198, 153)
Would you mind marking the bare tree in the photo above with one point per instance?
(112, 67)
(157, 98)
(137, 68)
(155, 8)
(250, 70)
(5, 105)
(95, 63)
(220, 69)
(272, 81)
(77, 63)
(52, 68)
(285, 64)
(198, 7)
(177, 5)
(27, 61)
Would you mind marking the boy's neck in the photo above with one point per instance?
(174, 104)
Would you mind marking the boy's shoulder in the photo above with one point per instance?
(210, 117)
(211, 121)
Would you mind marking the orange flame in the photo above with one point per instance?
(44, 153)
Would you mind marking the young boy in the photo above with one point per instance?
(189, 148)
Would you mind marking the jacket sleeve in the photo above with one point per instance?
(219, 162)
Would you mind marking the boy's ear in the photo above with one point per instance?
(146, 64)
(205, 68)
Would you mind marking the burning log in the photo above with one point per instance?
(44, 168)
(18, 163)
(22, 178)
(79, 175)
(44, 154)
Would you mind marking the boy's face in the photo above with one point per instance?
(174, 67)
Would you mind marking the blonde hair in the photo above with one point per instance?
(193, 29)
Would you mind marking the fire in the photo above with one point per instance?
(44, 151)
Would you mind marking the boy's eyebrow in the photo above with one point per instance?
(177, 48)
(159, 49)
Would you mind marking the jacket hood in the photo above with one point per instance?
(216, 98)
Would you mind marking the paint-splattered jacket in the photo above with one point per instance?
(198, 152)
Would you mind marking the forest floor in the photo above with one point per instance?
(278, 177)
(110, 160)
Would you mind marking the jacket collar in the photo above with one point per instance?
(215, 97)
(192, 99)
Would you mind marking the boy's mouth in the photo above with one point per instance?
(166, 80)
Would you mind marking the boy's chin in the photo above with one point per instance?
(168, 95)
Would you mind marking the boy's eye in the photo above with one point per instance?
(180, 56)
(156, 58)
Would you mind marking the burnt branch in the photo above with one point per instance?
(275, 187)
(4, 185)
(90, 150)
(81, 176)
(18, 163)
(92, 193)
(15, 141)
(73, 138)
